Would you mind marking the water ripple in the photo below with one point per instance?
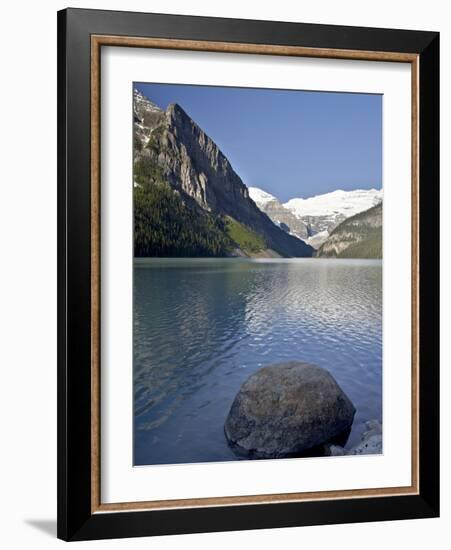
(201, 327)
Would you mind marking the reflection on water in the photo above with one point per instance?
(202, 326)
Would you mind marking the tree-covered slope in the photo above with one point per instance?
(170, 224)
(359, 236)
(165, 226)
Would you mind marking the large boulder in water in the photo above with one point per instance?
(285, 409)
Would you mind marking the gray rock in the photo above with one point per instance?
(283, 217)
(334, 450)
(370, 444)
(286, 409)
(374, 427)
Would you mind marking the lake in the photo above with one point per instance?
(202, 326)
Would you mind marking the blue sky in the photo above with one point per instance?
(289, 143)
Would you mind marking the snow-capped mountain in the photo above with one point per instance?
(336, 203)
(142, 106)
(314, 218)
(146, 115)
(261, 197)
(323, 213)
(280, 215)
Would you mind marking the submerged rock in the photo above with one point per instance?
(286, 409)
(370, 444)
(334, 450)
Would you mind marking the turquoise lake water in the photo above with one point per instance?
(202, 326)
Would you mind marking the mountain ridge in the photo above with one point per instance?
(171, 145)
(313, 219)
(359, 236)
(283, 218)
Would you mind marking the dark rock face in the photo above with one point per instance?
(286, 409)
(195, 167)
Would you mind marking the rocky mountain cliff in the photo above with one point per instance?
(359, 236)
(280, 215)
(174, 157)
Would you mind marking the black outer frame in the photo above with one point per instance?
(75, 520)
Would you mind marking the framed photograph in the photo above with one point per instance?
(248, 274)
